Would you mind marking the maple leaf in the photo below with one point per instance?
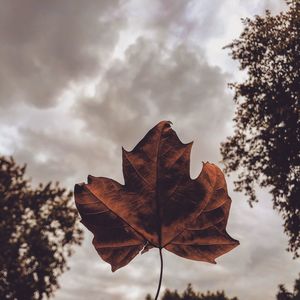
(159, 205)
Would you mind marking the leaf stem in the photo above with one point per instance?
(161, 273)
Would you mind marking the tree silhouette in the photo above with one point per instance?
(38, 226)
(190, 294)
(265, 146)
(283, 294)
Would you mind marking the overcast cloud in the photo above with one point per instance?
(80, 79)
(48, 46)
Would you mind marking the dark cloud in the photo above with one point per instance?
(46, 46)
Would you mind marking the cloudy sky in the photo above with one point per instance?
(80, 79)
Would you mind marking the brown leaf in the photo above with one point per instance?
(159, 205)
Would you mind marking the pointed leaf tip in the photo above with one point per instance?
(78, 188)
(90, 179)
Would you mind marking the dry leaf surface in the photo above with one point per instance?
(159, 205)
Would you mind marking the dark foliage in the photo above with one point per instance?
(265, 147)
(38, 226)
(283, 294)
(190, 294)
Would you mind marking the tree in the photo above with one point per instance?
(190, 294)
(283, 294)
(38, 226)
(265, 146)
